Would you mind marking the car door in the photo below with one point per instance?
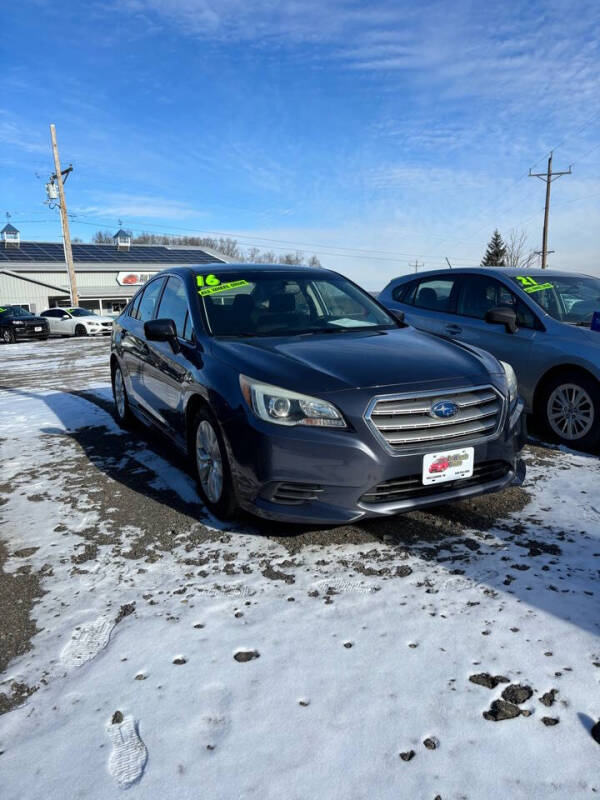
(168, 371)
(52, 316)
(65, 323)
(429, 303)
(476, 295)
(134, 346)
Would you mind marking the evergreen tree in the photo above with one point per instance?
(495, 255)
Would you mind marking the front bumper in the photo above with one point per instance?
(320, 476)
(26, 332)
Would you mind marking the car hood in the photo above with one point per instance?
(26, 320)
(335, 362)
(95, 319)
(581, 334)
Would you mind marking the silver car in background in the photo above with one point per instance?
(539, 321)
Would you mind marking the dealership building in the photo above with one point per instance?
(34, 274)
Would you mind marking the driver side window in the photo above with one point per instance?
(478, 294)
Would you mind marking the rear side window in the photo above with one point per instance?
(403, 292)
(434, 294)
(173, 304)
(149, 301)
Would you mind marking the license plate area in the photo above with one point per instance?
(448, 465)
(38, 328)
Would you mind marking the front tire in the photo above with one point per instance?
(570, 409)
(80, 330)
(213, 473)
(8, 336)
(122, 410)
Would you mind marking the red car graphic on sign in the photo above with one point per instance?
(439, 465)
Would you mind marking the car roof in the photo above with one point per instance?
(245, 267)
(510, 272)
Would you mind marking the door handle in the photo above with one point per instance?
(453, 328)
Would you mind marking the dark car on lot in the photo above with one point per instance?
(299, 397)
(17, 322)
(542, 322)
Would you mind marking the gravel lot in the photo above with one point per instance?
(109, 563)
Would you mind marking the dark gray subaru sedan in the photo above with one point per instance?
(298, 397)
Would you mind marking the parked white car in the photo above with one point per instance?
(76, 322)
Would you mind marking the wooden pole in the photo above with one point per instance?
(64, 220)
(546, 211)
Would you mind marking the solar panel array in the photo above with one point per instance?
(104, 254)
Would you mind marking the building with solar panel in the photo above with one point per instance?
(34, 274)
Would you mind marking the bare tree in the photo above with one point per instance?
(253, 255)
(102, 237)
(224, 244)
(518, 254)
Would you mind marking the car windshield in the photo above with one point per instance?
(80, 312)
(284, 303)
(570, 299)
(15, 311)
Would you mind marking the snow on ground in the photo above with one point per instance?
(177, 659)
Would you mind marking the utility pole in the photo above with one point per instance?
(58, 177)
(547, 177)
(416, 265)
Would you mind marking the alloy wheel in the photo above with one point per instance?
(120, 394)
(570, 411)
(209, 461)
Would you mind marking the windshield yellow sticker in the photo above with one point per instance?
(531, 285)
(211, 285)
(207, 280)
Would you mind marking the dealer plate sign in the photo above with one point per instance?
(448, 465)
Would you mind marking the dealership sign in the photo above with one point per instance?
(133, 278)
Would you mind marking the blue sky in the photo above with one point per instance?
(370, 133)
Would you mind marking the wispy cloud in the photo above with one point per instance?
(130, 206)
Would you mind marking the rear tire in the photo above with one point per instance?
(122, 410)
(8, 336)
(80, 330)
(569, 407)
(211, 465)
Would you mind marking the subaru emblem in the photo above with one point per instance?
(443, 409)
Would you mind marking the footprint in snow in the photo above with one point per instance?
(213, 722)
(129, 755)
(86, 642)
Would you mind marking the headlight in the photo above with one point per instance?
(18, 322)
(511, 380)
(289, 408)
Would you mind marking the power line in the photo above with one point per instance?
(332, 250)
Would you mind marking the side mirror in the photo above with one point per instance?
(502, 315)
(162, 330)
(398, 314)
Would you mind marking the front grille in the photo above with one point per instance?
(404, 422)
(294, 494)
(412, 485)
